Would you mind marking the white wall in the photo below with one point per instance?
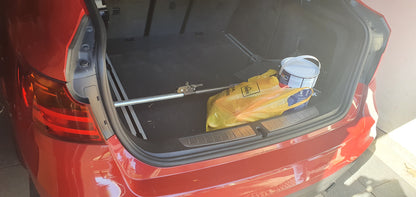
(396, 77)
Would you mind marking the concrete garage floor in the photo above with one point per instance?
(13, 176)
(387, 172)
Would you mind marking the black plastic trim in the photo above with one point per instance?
(149, 18)
(76, 74)
(186, 17)
(90, 83)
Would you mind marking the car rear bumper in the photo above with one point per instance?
(279, 169)
(69, 169)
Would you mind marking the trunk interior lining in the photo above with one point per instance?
(160, 64)
(166, 59)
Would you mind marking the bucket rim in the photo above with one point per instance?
(315, 76)
(285, 61)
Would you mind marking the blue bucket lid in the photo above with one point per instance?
(301, 67)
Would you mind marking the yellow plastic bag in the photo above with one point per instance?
(259, 98)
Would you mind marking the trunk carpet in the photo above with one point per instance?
(160, 64)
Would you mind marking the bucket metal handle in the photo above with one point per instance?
(284, 61)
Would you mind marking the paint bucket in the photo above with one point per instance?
(299, 72)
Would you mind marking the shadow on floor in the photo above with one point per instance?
(13, 176)
(364, 186)
(370, 177)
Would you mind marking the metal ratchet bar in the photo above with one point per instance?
(243, 48)
(123, 109)
(254, 57)
(124, 95)
(163, 97)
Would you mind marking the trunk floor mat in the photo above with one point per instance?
(160, 64)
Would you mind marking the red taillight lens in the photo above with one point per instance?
(56, 112)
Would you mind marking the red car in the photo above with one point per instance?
(79, 134)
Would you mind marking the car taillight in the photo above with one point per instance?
(56, 112)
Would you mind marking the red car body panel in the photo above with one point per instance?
(70, 169)
(40, 32)
(270, 170)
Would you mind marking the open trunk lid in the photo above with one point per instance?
(154, 47)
